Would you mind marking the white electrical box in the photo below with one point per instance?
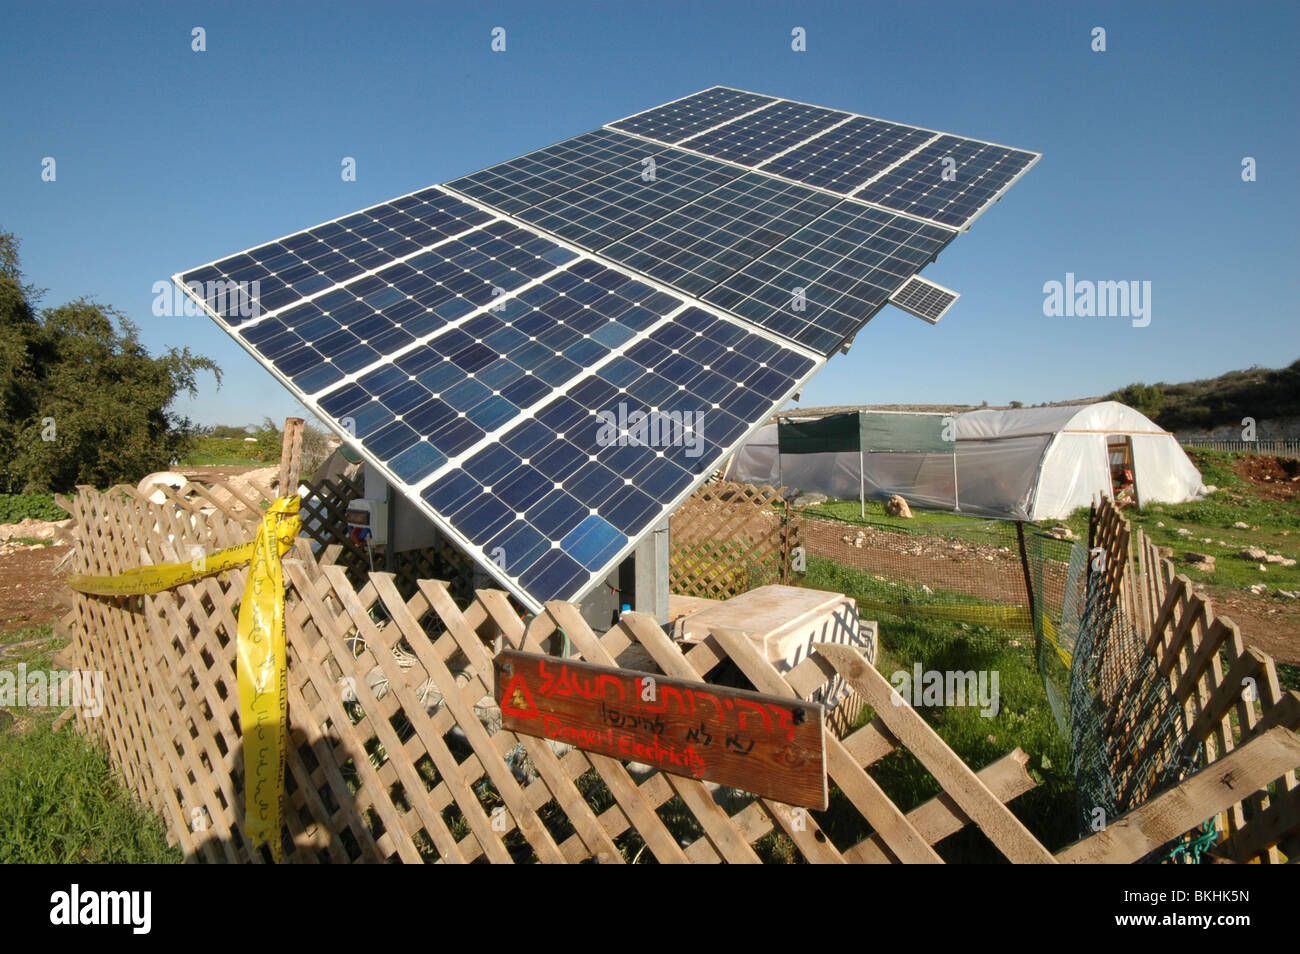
(368, 521)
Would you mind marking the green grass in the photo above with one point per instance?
(16, 507)
(849, 511)
(231, 452)
(60, 801)
(1024, 719)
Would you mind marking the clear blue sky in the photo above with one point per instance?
(167, 158)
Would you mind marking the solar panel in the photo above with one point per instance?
(494, 352)
(550, 354)
(924, 299)
(949, 181)
(821, 285)
(683, 118)
(757, 137)
(844, 158)
(946, 180)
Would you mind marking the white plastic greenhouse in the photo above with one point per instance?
(1026, 463)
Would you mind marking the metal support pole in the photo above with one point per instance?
(862, 481)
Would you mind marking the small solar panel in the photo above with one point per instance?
(501, 348)
(925, 299)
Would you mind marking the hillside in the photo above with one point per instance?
(1261, 393)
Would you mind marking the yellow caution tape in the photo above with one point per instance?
(1049, 634)
(1007, 617)
(261, 667)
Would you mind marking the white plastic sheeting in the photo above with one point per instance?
(1037, 463)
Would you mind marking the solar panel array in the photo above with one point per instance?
(947, 180)
(546, 356)
(924, 299)
(714, 231)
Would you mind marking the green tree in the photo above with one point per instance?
(82, 400)
(1146, 398)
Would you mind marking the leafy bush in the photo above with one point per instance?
(16, 507)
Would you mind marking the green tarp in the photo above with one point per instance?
(901, 432)
(833, 434)
(869, 431)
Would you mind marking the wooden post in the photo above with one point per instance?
(290, 456)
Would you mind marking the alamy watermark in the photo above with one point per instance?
(222, 296)
(55, 687)
(1088, 299)
(952, 687)
(654, 428)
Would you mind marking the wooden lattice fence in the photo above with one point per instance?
(728, 538)
(396, 750)
(1220, 692)
(324, 519)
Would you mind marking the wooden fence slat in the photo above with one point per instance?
(860, 788)
(1003, 828)
(1210, 791)
(802, 829)
(941, 816)
(697, 798)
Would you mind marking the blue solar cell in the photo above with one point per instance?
(555, 573)
(594, 542)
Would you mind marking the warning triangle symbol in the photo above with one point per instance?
(517, 700)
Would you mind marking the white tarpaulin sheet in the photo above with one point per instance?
(1024, 463)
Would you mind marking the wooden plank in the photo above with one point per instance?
(941, 816)
(1003, 828)
(861, 789)
(648, 824)
(747, 740)
(290, 456)
(1170, 814)
(697, 798)
(800, 827)
(597, 840)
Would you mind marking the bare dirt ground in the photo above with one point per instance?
(29, 586)
(1269, 624)
(1275, 478)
